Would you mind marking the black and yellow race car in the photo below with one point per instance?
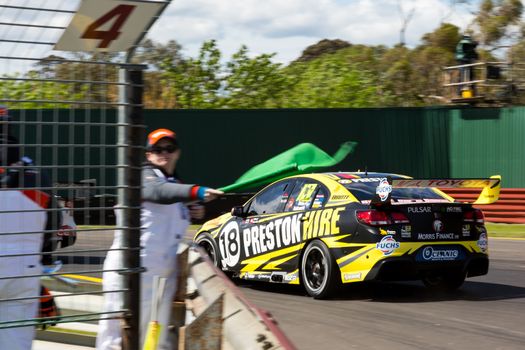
(321, 230)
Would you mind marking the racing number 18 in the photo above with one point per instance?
(122, 13)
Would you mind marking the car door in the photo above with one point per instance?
(239, 239)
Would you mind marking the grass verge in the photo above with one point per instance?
(505, 230)
(494, 230)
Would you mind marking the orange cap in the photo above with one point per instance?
(156, 135)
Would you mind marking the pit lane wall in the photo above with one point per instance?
(219, 316)
(220, 145)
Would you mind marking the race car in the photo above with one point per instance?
(322, 230)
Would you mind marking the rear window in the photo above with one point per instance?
(365, 191)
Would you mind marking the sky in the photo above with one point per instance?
(287, 27)
(283, 27)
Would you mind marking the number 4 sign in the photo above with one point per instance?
(107, 25)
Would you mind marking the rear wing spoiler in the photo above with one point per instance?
(489, 193)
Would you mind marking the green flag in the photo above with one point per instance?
(300, 159)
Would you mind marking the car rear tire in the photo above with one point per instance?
(206, 241)
(445, 282)
(319, 271)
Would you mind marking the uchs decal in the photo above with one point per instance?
(387, 245)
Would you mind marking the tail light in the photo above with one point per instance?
(378, 218)
(399, 218)
(475, 216)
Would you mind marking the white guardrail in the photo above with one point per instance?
(209, 312)
(221, 317)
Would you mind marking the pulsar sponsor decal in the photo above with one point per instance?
(387, 245)
(229, 239)
(321, 223)
(352, 276)
(436, 236)
(406, 231)
(275, 234)
(419, 210)
(384, 189)
(483, 242)
(465, 230)
(440, 254)
(437, 225)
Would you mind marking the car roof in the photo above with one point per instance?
(340, 175)
(362, 174)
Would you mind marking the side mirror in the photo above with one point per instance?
(238, 211)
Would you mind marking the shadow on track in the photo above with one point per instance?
(398, 292)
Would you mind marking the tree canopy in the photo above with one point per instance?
(331, 73)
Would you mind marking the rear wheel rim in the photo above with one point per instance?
(315, 270)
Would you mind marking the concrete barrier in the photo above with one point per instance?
(244, 326)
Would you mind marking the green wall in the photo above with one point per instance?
(219, 145)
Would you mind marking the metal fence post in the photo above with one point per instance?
(131, 132)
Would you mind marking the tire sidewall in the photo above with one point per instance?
(330, 267)
(206, 239)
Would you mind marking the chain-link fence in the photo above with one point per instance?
(71, 144)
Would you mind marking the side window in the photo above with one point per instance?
(307, 194)
(271, 200)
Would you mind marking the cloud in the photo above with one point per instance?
(287, 27)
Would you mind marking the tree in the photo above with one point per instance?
(253, 82)
(195, 83)
(324, 46)
(333, 81)
(495, 20)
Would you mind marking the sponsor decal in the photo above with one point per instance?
(290, 277)
(364, 179)
(275, 234)
(437, 236)
(465, 230)
(384, 189)
(318, 201)
(387, 245)
(437, 225)
(229, 239)
(352, 276)
(321, 222)
(454, 210)
(406, 231)
(386, 232)
(306, 193)
(443, 183)
(483, 242)
(440, 254)
(340, 197)
(419, 210)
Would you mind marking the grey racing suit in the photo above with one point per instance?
(164, 220)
